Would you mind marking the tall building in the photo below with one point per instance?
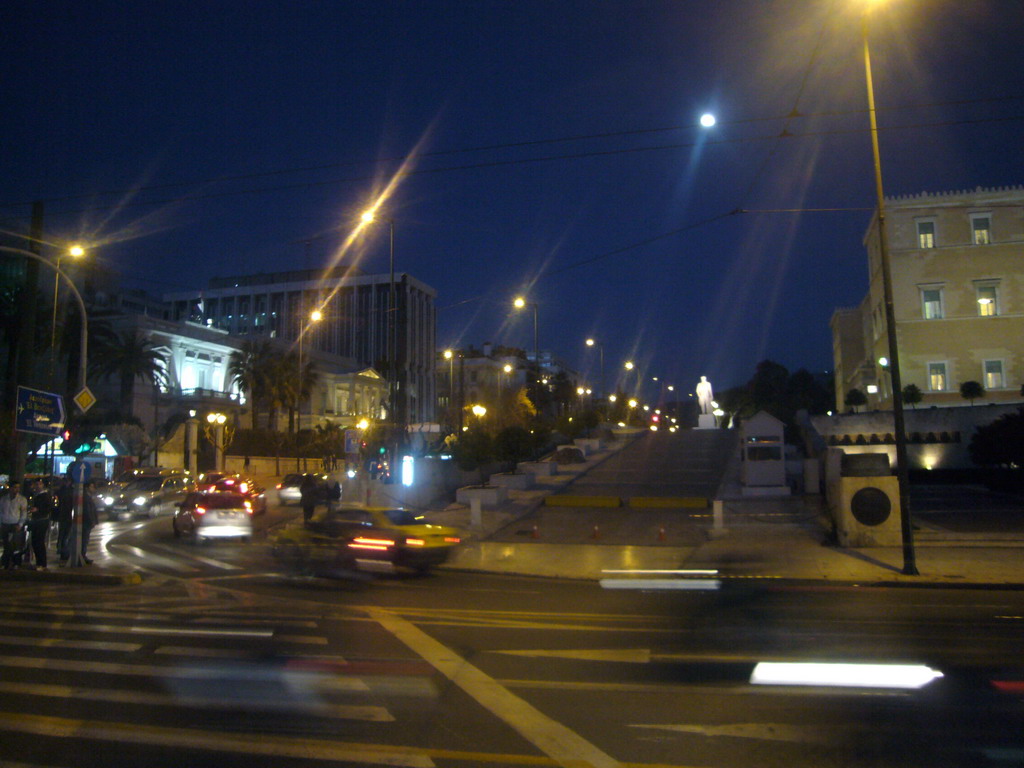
(957, 261)
(353, 324)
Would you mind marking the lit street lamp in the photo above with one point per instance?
(521, 303)
(370, 217)
(75, 252)
(218, 434)
(902, 476)
(600, 349)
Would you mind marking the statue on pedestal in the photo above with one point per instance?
(704, 395)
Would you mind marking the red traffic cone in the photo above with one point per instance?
(596, 534)
(536, 532)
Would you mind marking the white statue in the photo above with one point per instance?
(704, 394)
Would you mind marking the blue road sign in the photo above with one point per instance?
(39, 412)
(351, 441)
(79, 471)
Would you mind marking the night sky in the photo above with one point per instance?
(547, 148)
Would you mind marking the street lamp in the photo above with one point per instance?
(902, 476)
(84, 333)
(314, 317)
(219, 434)
(600, 349)
(75, 252)
(370, 217)
(521, 303)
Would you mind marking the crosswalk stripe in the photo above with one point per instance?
(238, 743)
(150, 558)
(327, 682)
(53, 642)
(120, 696)
(200, 558)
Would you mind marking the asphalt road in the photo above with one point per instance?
(220, 659)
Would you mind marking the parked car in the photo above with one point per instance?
(152, 495)
(208, 480)
(212, 515)
(288, 489)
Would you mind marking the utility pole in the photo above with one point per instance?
(25, 345)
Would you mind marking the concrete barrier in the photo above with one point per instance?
(489, 495)
(570, 500)
(538, 468)
(517, 482)
(588, 444)
(667, 502)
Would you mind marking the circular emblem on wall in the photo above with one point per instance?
(870, 506)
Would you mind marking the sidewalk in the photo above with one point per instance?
(759, 538)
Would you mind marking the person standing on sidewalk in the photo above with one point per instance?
(41, 512)
(13, 516)
(65, 506)
(89, 517)
(309, 496)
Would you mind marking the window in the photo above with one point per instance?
(931, 303)
(987, 305)
(937, 377)
(993, 374)
(926, 234)
(981, 229)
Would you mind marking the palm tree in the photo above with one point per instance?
(250, 368)
(132, 356)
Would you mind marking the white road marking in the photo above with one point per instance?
(199, 558)
(53, 642)
(201, 632)
(153, 559)
(759, 731)
(551, 737)
(656, 584)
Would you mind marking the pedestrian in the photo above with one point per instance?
(309, 496)
(333, 496)
(65, 506)
(13, 516)
(89, 517)
(42, 510)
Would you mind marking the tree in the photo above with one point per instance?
(513, 444)
(249, 368)
(132, 438)
(855, 398)
(912, 395)
(132, 356)
(1000, 443)
(971, 390)
(473, 449)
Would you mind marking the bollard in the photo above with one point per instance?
(596, 534)
(475, 513)
(536, 532)
(661, 533)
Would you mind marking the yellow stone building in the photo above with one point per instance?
(958, 294)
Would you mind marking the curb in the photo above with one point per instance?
(65, 576)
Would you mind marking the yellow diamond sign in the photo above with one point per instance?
(85, 399)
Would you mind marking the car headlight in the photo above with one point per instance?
(108, 500)
(139, 501)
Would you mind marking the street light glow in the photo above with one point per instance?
(368, 216)
(519, 302)
(448, 354)
(478, 410)
(316, 315)
(507, 368)
(590, 342)
(707, 120)
(76, 251)
(629, 365)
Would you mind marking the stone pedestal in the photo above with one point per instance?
(538, 468)
(706, 421)
(518, 482)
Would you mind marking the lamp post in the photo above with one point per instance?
(215, 432)
(902, 476)
(75, 251)
(521, 303)
(314, 317)
(449, 355)
(600, 350)
(84, 334)
(370, 217)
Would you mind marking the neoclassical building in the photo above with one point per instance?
(957, 262)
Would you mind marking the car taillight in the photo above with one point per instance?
(452, 540)
(363, 542)
(200, 510)
(248, 507)
(243, 488)
(415, 542)
(280, 486)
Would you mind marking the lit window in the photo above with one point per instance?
(937, 377)
(931, 303)
(981, 230)
(987, 300)
(994, 374)
(926, 234)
